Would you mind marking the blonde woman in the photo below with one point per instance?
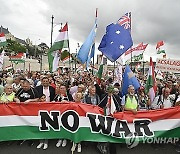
(8, 95)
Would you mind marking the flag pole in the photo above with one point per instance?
(52, 18)
(94, 39)
(69, 50)
(114, 71)
(143, 63)
(130, 33)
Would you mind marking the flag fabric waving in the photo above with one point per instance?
(100, 71)
(136, 51)
(85, 48)
(54, 52)
(2, 40)
(150, 87)
(1, 59)
(159, 44)
(161, 51)
(125, 21)
(116, 41)
(129, 79)
(91, 55)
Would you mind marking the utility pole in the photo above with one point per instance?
(42, 51)
(52, 18)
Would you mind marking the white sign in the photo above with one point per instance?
(168, 65)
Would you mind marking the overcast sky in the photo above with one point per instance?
(152, 20)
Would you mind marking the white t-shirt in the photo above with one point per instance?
(178, 99)
(47, 93)
(166, 102)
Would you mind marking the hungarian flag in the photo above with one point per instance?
(9, 68)
(100, 71)
(160, 51)
(135, 52)
(65, 56)
(159, 44)
(1, 59)
(2, 40)
(55, 51)
(150, 87)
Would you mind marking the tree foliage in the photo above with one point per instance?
(14, 46)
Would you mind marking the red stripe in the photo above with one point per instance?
(65, 28)
(170, 113)
(33, 109)
(2, 35)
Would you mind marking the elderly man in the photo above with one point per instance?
(27, 94)
(46, 89)
(92, 97)
(162, 101)
(130, 101)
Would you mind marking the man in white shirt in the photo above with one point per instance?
(162, 101)
(46, 89)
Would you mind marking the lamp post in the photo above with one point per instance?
(52, 18)
(41, 59)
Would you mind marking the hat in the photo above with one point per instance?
(110, 89)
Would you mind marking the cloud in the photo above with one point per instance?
(151, 20)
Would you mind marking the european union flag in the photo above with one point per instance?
(115, 42)
(129, 79)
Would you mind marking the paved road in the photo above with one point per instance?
(87, 148)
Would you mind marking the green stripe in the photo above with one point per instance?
(149, 83)
(160, 51)
(100, 71)
(59, 45)
(83, 134)
(3, 44)
(56, 46)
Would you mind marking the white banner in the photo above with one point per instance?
(168, 65)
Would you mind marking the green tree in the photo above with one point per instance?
(14, 46)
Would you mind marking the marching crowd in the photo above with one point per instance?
(84, 87)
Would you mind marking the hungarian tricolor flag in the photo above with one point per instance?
(2, 40)
(135, 52)
(61, 42)
(150, 87)
(100, 71)
(159, 44)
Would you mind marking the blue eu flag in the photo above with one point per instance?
(129, 79)
(115, 42)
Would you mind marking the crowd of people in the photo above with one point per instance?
(84, 87)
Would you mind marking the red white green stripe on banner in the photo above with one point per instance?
(83, 122)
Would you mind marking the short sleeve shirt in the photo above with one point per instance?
(25, 95)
